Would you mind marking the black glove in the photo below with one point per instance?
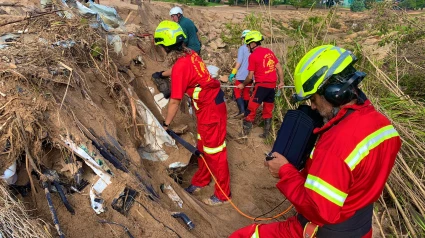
(158, 75)
(163, 85)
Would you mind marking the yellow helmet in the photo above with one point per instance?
(317, 66)
(253, 36)
(169, 33)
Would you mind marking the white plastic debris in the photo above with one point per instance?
(101, 184)
(116, 41)
(176, 165)
(161, 102)
(167, 189)
(7, 38)
(9, 175)
(155, 135)
(213, 70)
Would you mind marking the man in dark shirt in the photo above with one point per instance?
(192, 41)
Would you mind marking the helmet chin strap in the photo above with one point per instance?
(252, 49)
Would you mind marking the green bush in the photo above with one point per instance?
(301, 3)
(369, 3)
(357, 6)
(200, 2)
(408, 4)
(420, 4)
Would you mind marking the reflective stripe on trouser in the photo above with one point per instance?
(260, 95)
(213, 137)
(195, 96)
(244, 93)
(291, 228)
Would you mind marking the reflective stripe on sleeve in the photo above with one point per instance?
(256, 234)
(215, 150)
(371, 141)
(196, 93)
(312, 151)
(199, 137)
(326, 190)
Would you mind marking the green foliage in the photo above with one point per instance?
(200, 2)
(252, 21)
(302, 3)
(408, 4)
(369, 3)
(357, 6)
(420, 4)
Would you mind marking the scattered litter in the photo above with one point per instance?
(155, 135)
(160, 101)
(103, 181)
(124, 201)
(213, 70)
(65, 43)
(127, 231)
(106, 17)
(184, 218)
(139, 61)
(6, 39)
(152, 90)
(10, 176)
(176, 165)
(153, 195)
(53, 177)
(167, 189)
(116, 41)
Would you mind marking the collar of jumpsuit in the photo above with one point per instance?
(340, 115)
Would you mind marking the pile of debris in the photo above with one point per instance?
(60, 83)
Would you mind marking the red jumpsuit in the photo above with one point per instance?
(190, 75)
(347, 171)
(262, 62)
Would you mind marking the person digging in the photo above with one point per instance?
(264, 66)
(350, 163)
(189, 75)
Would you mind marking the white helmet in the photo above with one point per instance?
(176, 10)
(244, 33)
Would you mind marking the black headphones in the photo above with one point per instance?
(341, 92)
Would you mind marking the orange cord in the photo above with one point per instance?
(236, 208)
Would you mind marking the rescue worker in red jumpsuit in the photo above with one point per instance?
(264, 66)
(350, 163)
(189, 75)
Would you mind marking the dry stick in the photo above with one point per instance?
(126, 19)
(410, 62)
(396, 63)
(69, 81)
(31, 181)
(400, 208)
(1, 108)
(30, 17)
(391, 220)
(379, 224)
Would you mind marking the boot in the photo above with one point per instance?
(241, 108)
(246, 128)
(266, 129)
